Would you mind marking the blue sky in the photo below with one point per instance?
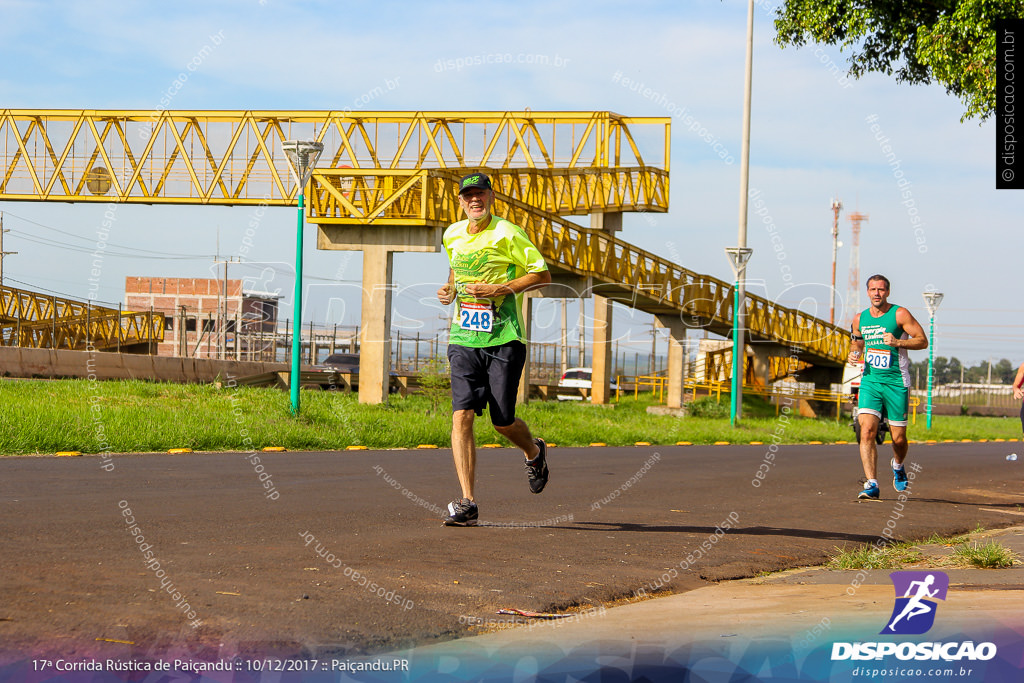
(812, 139)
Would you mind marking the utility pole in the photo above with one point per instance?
(988, 387)
(183, 333)
(582, 331)
(740, 262)
(961, 383)
(565, 337)
(2, 252)
(854, 285)
(222, 306)
(837, 206)
(652, 366)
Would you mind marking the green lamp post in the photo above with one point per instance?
(738, 257)
(302, 157)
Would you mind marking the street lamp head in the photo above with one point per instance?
(302, 157)
(932, 301)
(738, 257)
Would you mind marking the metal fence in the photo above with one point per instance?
(971, 395)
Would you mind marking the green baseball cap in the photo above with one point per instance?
(472, 180)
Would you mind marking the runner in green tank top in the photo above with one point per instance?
(882, 335)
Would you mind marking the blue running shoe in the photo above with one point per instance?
(899, 477)
(870, 492)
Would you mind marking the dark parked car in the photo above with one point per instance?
(342, 362)
(349, 363)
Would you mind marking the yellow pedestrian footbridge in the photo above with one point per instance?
(33, 320)
(387, 180)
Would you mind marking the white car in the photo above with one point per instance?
(579, 378)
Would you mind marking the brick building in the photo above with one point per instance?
(208, 318)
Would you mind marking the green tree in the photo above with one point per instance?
(1004, 371)
(951, 372)
(951, 42)
(976, 374)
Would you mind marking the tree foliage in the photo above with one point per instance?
(947, 371)
(951, 42)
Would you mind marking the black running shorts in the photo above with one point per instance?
(487, 377)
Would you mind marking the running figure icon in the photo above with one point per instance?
(916, 605)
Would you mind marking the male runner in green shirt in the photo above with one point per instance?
(883, 333)
(492, 263)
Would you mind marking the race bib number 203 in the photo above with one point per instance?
(877, 358)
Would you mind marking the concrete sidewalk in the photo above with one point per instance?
(785, 622)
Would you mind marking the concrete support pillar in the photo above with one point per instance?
(375, 327)
(378, 243)
(601, 350)
(822, 376)
(763, 353)
(674, 391)
(610, 222)
(762, 365)
(524, 381)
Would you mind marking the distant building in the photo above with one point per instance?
(208, 318)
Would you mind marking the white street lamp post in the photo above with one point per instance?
(932, 301)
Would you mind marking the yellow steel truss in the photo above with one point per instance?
(427, 196)
(235, 157)
(37, 320)
(718, 368)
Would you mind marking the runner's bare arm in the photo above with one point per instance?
(917, 341)
(856, 343)
(1018, 381)
(447, 292)
(525, 283)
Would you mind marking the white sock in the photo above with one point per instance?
(872, 482)
(895, 466)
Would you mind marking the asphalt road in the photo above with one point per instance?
(227, 566)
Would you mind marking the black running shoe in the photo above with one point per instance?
(537, 472)
(461, 512)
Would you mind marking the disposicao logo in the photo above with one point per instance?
(917, 594)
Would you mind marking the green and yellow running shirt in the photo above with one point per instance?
(884, 364)
(499, 253)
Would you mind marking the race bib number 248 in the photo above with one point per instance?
(476, 317)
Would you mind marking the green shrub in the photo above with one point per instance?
(992, 555)
(708, 407)
(435, 383)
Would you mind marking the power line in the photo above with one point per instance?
(36, 288)
(106, 252)
(78, 237)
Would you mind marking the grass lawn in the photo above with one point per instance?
(136, 416)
